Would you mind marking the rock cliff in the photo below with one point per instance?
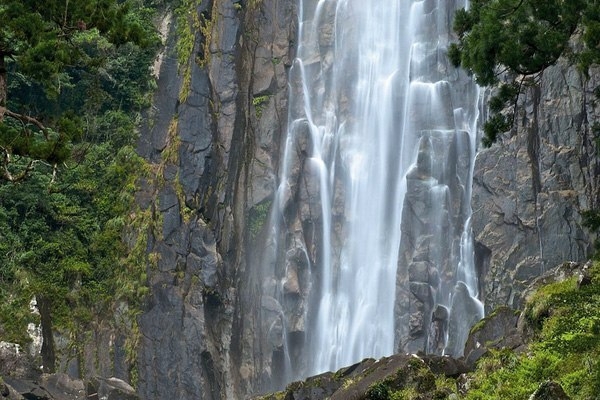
(223, 308)
(530, 189)
(212, 140)
(214, 326)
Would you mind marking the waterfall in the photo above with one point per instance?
(370, 227)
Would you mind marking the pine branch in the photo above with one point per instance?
(23, 118)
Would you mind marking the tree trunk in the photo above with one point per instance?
(48, 355)
(3, 83)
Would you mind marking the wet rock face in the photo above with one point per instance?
(435, 209)
(204, 332)
(530, 188)
(432, 223)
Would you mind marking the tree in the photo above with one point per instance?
(519, 39)
(44, 45)
(74, 76)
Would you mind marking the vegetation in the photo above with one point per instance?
(258, 216)
(509, 43)
(259, 103)
(591, 220)
(565, 349)
(74, 77)
(187, 24)
(517, 40)
(48, 49)
(414, 381)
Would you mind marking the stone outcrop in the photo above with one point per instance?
(508, 328)
(60, 386)
(530, 189)
(376, 379)
(436, 205)
(499, 330)
(222, 307)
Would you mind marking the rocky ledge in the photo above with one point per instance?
(425, 377)
(377, 379)
(61, 387)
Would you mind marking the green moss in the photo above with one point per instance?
(254, 4)
(170, 154)
(378, 391)
(257, 217)
(349, 382)
(479, 325)
(259, 103)
(405, 394)
(187, 25)
(565, 349)
(539, 305)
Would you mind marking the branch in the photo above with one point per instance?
(7, 175)
(66, 13)
(23, 118)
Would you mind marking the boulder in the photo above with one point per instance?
(7, 392)
(45, 387)
(549, 390)
(110, 389)
(15, 362)
(496, 331)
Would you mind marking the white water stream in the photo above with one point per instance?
(371, 85)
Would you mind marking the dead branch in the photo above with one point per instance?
(23, 118)
(9, 176)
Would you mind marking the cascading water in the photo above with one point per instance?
(371, 214)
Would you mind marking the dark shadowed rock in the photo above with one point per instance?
(46, 387)
(549, 390)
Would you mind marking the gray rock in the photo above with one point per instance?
(530, 188)
(496, 331)
(44, 387)
(464, 313)
(15, 362)
(392, 373)
(110, 389)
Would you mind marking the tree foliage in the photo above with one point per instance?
(46, 50)
(68, 128)
(518, 39)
